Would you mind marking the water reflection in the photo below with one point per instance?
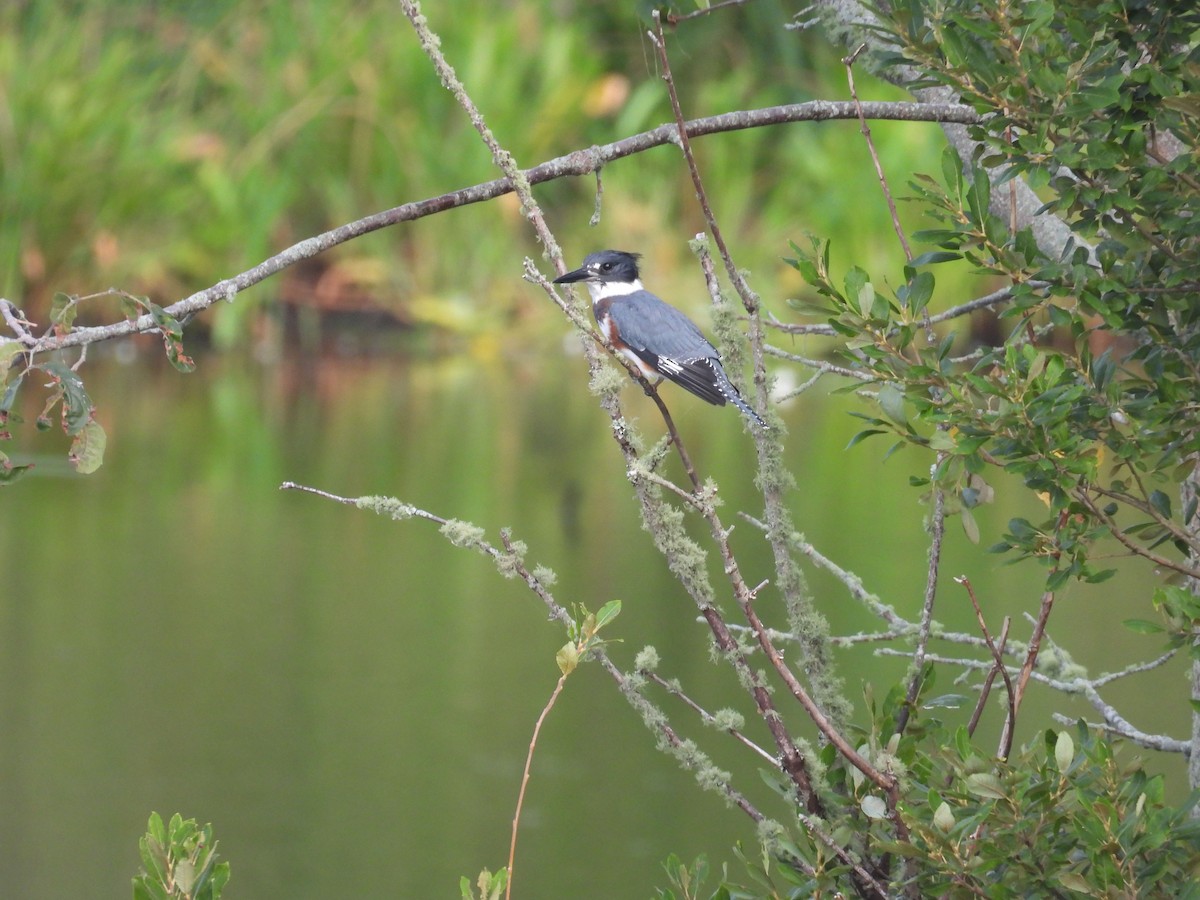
(348, 699)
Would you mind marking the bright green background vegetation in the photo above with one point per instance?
(349, 700)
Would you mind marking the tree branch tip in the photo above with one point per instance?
(849, 60)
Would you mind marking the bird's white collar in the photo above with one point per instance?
(601, 290)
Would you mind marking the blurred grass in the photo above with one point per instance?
(160, 148)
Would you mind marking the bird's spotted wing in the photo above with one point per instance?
(696, 375)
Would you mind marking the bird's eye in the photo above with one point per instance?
(605, 267)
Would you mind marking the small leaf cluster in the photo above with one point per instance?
(179, 862)
(1063, 812)
(1179, 610)
(76, 412)
(583, 632)
(490, 885)
(768, 877)
(1091, 395)
(66, 389)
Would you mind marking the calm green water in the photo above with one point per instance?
(349, 700)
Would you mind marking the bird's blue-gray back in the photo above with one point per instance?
(640, 315)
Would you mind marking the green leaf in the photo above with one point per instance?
(9, 351)
(1021, 529)
(1056, 580)
(185, 876)
(131, 307)
(1075, 882)
(9, 397)
(863, 435)
(77, 406)
(986, 785)
(87, 450)
(962, 742)
(9, 472)
(943, 818)
(873, 807)
(860, 291)
(1064, 751)
(176, 356)
(607, 613)
(808, 271)
(567, 658)
(1161, 503)
(62, 311)
(920, 290)
(935, 256)
(891, 401)
(941, 440)
(155, 828)
(1143, 626)
(980, 196)
(172, 334)
(952, 169)
(969, 525)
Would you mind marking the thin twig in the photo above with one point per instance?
(995, 298)
(851, 581)
(848, 62)
(819, 365)
(1035, 644)
(537, 728)
(708, 717)
(674, 19)
(16, 322)
(595, 219)
(990, 678)
(749, 299)
(937, 530)
(1144, 552)
(1010, 720)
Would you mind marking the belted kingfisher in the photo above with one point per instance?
(660, 340)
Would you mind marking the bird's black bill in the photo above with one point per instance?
(577, 275)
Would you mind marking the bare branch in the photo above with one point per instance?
(16, 321)
(676, 691)
(1150, 741)
(986, 689)
(937, 530)
(1010, 720)
(818, 364)
(580, 162)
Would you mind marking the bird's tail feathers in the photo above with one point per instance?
(732, 394)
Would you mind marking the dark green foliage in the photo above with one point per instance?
(1060, 813)
(1091, 398)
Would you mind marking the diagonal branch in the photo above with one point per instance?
(579, 162)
